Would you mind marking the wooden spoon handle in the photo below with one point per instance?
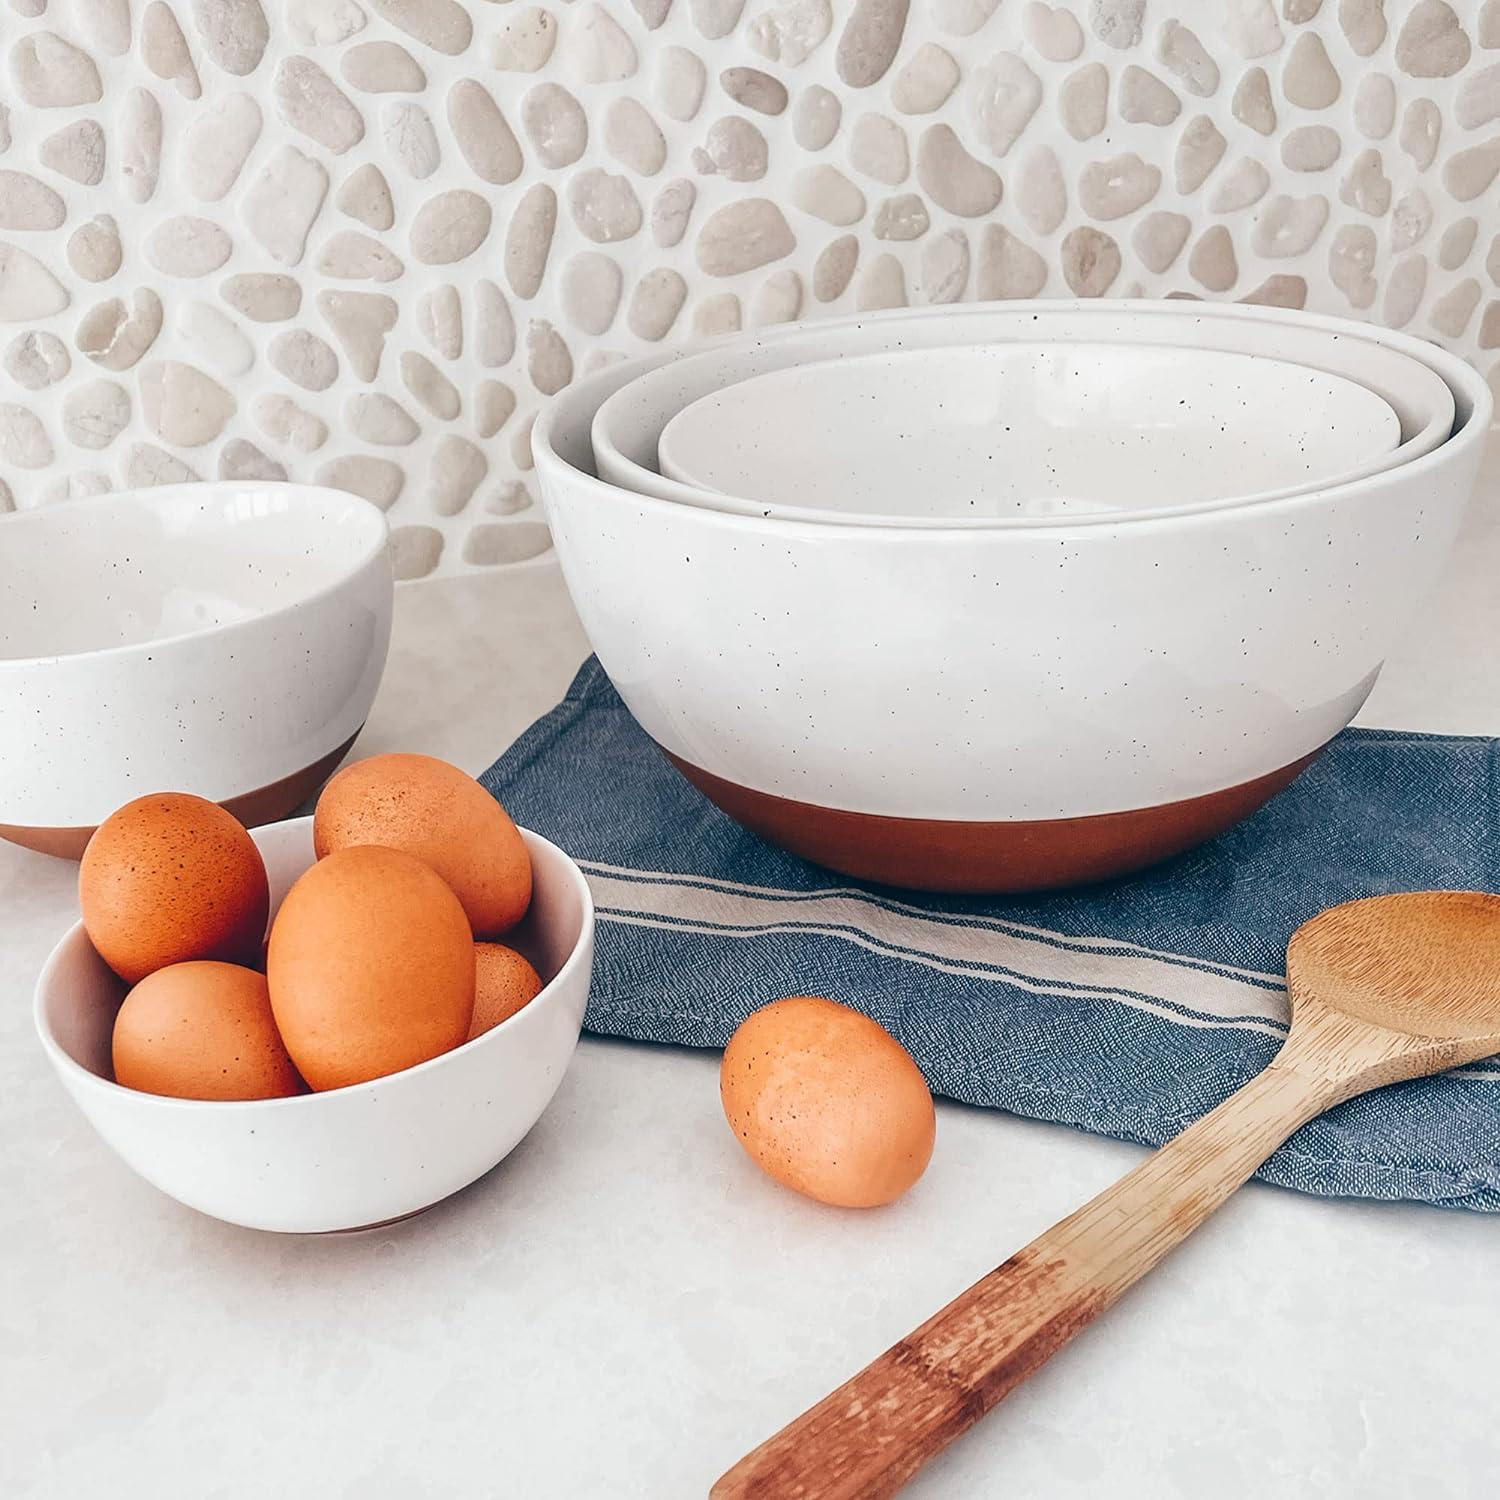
(873, 1433)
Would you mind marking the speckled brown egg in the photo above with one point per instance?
(827, 1102)
(202, 1031)
(504, 982)
(371, 967)
(172, 877)
(442, 816)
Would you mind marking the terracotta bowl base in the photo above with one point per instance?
(988, 858)
(266, 804)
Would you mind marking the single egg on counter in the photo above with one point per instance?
(202, 1030)
(504, 982)
(827, 1102)
(442, 816)
(371, 967)
(172, 877)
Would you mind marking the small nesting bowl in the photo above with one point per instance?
(350, 1158)
(1018, 429)
(1016, 705)
(627, 429)
(222, 639)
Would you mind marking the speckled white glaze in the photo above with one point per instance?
(207, 638)
(628, 426)
(1029, 671)
(350, 1157)
(1027, 429)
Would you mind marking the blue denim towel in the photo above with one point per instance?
(1128, 1009)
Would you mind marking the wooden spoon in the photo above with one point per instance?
(1389, 988)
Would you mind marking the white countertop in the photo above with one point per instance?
(624, 1306)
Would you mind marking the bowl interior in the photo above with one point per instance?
(611, 424)
(155, 565)
(79, 995)
(1023, 428)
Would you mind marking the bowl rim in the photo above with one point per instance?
(369, 552)
(1260, 366)
(1457, 374)
(66, 1065)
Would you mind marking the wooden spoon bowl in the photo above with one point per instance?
(1384, 989)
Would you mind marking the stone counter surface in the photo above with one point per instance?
(624, 1306)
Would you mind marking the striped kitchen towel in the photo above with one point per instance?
(1128, 1009)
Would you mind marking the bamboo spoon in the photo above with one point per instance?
(1384, 989)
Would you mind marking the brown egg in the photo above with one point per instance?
(504, 982)
(827, 1102)
(371, 967)
(171, 877)
(202, 1031)
(442, 816)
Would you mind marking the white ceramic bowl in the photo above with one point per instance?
(354, 1157)
(222, 639)
(1027, 429)
(1020, 706)
(627, 428)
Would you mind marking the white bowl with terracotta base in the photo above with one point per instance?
(350, 1158)
(1010, 708)
(221, 639)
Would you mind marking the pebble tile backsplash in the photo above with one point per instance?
(359, 241)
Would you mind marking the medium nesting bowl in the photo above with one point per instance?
(1009, 708)
(629, 426)
(349, 1158)
(1019, 429)
(221, 639)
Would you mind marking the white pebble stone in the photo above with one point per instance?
(671, 210)
(1041, 194)
(549, 365)
(1363, 25)
(1212, 263)
(1456, 243)
(790, 31)
(778, 299)
(366, 195)
(378, 480)
(925, 80)
(351, 256)
(96, 413)
(903, 217)
(483, 134)
(654, 304)
(1181, 53)
(181, 405)
(164, 50)
(881, 284)
(1158, 239)
(443, 25)
(754, 89)
(408, 131)
(555, 124)
(1245, 183)
(878, 148)
(591, 287)
(1007, 266)
(77, 151)
(457, 470)
(1117, 23)
(1432, 44)
(734, 147)
(944, 274)
(1451, 312)
(1288, 225)
(826, 193)
(304, 359)
(440, 319)
(1308, 78)
(528, 239)
(214, 338)
(449, 227)
(312, 103)
(217, 144)
(717, 314)
(28, 203)
(633, 138)
(1478, 100)
(599, 51)
(1003, 95)
(94, 249)
(51, 73)
(1421, 128)
(27, 288)
(37, 360)
(1311, 148)
(604, 206)
(282, 203)
(1366, 187)
(495, 545)
(742, 235)
(187, 246)
(1410, 219)
(323, 23)
(116, 335)
(148, 465)
(140, 142)
(282, 420)
(869, 41)
(715, 18)
(1090, 261)
(376, 418)
(1200, 148)
(264, 296)
(23, 439)
(1404, 289)
(678, 83)
(961, 17)
(360, 321)
(1083, 100)
(524, 41)
(1251, 26)
(834, 267)
(954, 179)
(1375, 106)
(815, 121)
(415, 551)
(1116, 186)
(383, 68)
(1053, 30)
(494, 404)
(1252, 104)
(241, 459)
(233, 32)
(1145, 99)
(495, 327)
(429, 387)
(1351, 262)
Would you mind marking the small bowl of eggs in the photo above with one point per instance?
(328, 1023)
